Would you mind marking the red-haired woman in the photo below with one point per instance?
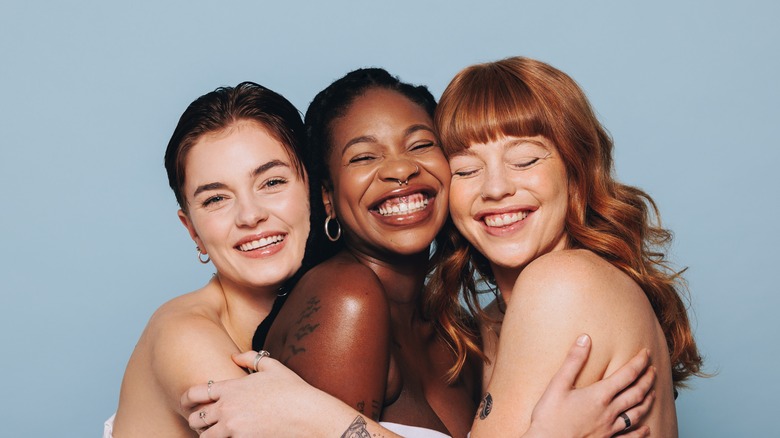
(570, 250)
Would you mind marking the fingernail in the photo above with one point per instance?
(583, 340)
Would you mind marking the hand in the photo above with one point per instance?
(272, 402)
(594, 411)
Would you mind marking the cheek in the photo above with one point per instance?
(439, 167)
(460, 201)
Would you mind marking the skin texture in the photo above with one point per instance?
(352, 326)
(251, 191)
(551, 293)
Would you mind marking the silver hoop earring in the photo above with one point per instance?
(327, 229)
(200, 256)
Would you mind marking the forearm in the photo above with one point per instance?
(335, 418)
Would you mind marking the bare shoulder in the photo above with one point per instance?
(578, 275)
(576, 291)
(342, 283)
(183, 318)
(183, 344)
(189, 320)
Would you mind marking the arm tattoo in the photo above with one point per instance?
(485, 406)
(357, 429)
(312, 306)
(305, 330)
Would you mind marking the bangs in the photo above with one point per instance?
(486, 102)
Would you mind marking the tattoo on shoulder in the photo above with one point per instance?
(485, 406)
(357, 429)
(312, 306)
(305, 327)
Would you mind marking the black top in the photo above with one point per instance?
(258, 340)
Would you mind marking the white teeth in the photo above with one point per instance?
(265, 241)
(403, 205)
(502, 220)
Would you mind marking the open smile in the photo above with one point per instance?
(505, 219)
(402, 205)
(261, 243)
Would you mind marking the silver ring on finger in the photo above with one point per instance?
(260, 354)
(208, 391)
(202, 416)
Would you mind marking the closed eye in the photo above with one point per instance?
(422, 146)
(464, 173)
(361, 159)
(526, 164)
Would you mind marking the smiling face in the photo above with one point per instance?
(508, 198)
(247, 206)
(389, 177)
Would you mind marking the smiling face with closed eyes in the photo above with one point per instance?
(248, 208)
(508, 198)
(389, 177)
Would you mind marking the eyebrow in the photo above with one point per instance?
(258, 171)
(371, 139)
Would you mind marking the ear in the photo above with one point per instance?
(185, 220)
(327, 196)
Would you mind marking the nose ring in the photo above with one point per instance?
(406, 182)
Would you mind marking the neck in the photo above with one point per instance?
(242, 309)
(403, 278)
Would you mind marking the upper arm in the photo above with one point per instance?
(555, 299)
(188, 350)
(339, 338)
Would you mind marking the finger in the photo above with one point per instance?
(634, 394)
(200, 419)
(575, 359)
(245, 359)
(215, 431)
(198, 395)
(628, 373)
(640, 432)
(635, 414)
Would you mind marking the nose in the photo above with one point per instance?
(496, 183)
(399, 170)
(250, 212)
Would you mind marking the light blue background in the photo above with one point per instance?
(91, 92)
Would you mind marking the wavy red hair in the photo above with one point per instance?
(523, 97)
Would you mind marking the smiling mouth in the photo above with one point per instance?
(504, 219)
(403, 205)
(261, 243)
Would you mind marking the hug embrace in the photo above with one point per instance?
(352, 251)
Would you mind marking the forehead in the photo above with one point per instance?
(240, 146)
(379, 107)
